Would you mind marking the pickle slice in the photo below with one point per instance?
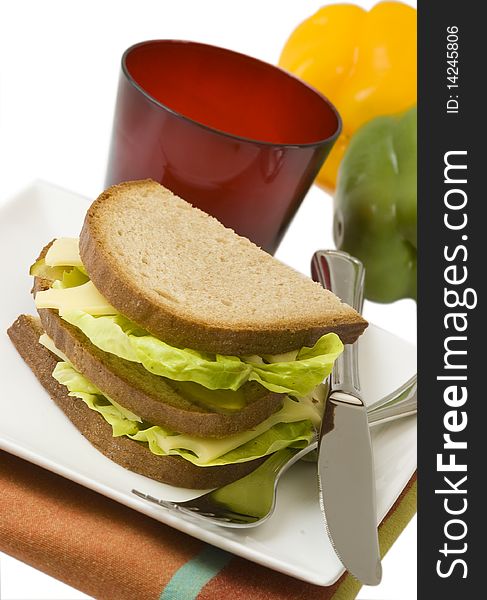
(40, 269)
(65, 276)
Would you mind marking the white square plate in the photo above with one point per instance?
(293, 541)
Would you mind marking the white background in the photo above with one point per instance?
(59, 66)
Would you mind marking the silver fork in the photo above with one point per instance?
(250, 501)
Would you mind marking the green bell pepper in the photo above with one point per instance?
(376, 205)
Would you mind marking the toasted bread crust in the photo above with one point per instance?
(178, 325)
(132, 455)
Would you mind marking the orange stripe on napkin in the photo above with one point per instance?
(82, 538)
(111, 552)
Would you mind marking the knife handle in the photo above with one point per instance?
(343, 275)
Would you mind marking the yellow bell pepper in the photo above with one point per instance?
(364, 62)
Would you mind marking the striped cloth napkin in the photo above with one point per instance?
(111, 552)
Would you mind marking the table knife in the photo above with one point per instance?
(345, 461)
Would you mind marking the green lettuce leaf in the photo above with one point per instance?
(291, 426)
(119, 336)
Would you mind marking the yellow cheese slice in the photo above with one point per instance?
(64, 252)
(208, 450)
(48, 343)
(82, 297)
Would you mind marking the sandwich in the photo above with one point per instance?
(179, 349)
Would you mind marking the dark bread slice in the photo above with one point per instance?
(154, 398)
(190, 281)
(128, 453)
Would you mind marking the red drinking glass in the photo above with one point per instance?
(239, 138)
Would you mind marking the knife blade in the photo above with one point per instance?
(345, 461)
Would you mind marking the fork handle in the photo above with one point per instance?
(400, 403)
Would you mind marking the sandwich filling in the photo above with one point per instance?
(292, 426)
(297, 374)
